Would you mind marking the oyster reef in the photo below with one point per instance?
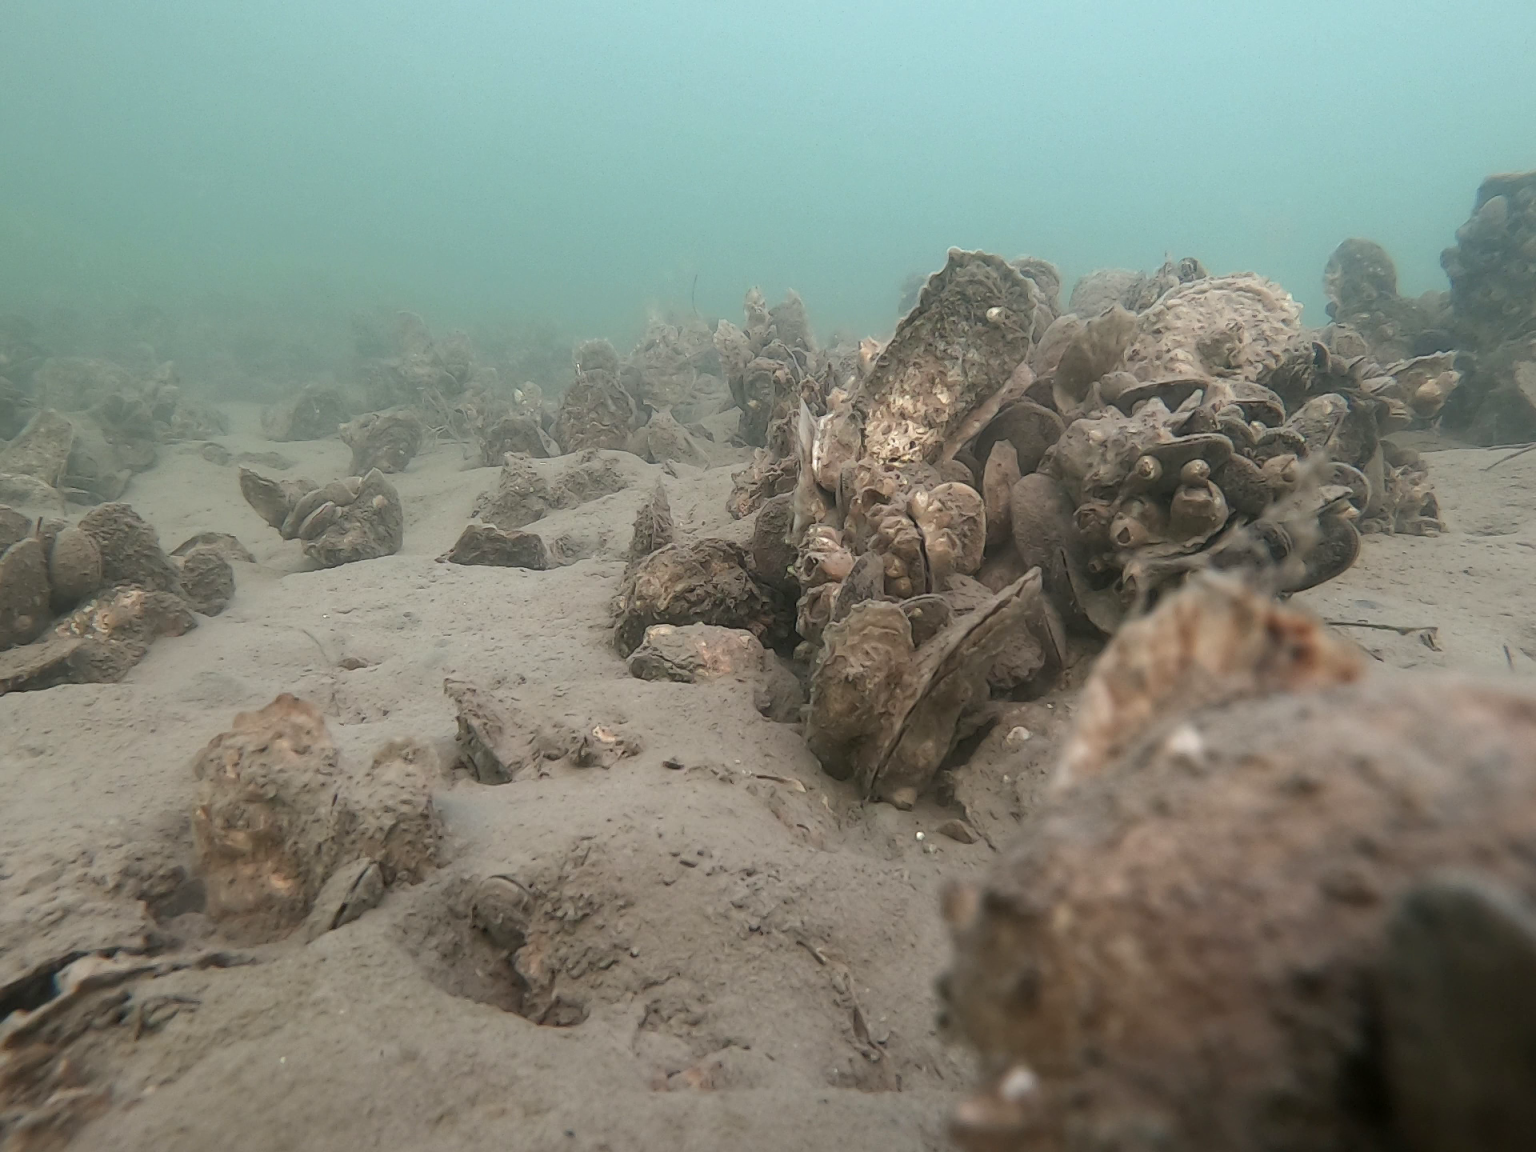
(591, 578)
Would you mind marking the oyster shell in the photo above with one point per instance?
(884, 709)
(952, 353)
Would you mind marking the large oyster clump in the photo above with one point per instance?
(944, 509)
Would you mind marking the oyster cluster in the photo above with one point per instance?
(355, 518)
(82, 428)
(953, 503)
(83, 602)
(1492, 270)
(633, 404)
(387, 441)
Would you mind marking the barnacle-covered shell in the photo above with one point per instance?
(1218, 326)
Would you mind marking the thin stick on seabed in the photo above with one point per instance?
(1511, 456)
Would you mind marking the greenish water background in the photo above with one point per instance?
(582, 161)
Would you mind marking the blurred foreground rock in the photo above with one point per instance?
(1273, 906)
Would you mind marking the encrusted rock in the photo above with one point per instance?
(522, 495)
(516, 433)
(119, 626)
(1225, 1020)
(497, 740)
(488, 545)
(14, 526)
(229, 546)
(695, 653)
(74, 567)
(596, 411)
(387, 441)
(765, 363)
(1493, 311)
(1361, 283)
(277, 813)
(662, 439)
(42, 449)
(768, 476)
(603, 747)
(49, 662)
(773, 553)
(314, 414)
(653, 524)
(1214, 641)
(130, 549)
(354, 888)
(705, 582)
(207, 580)
(75, 383)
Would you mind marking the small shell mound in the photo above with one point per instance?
(356, 518)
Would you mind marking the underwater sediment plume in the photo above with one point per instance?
(1070, 720)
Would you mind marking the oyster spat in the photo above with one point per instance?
(884, 710)
(951, 354)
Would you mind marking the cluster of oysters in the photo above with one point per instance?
(999, 475)
(82, 602)
(351, 519)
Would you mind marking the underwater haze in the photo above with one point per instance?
(581, 161)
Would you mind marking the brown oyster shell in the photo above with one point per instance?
(954, 351)
(953, 521)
